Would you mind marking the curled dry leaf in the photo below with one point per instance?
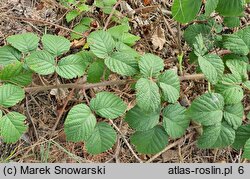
(158, 38)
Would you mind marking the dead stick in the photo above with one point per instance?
(105, 83)
(169, 147)
(111, 14)
(126, 142)
(44, 22)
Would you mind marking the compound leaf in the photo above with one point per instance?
(108, 105)
(233, 114)
(175, 121)
(141, 121)
(101, 43)
(80, 123)
(96, 71)
(56, 45)
(122, 63)
(102, 138)
(210, 6)
(229, 87)
(244, 34)
(230, 8)
(16, 74)
(242, 135)
(207, 109)
(151, 141)
(71, 67)
(181, 10)
(42, 62)
(235, 44)
(212, 66)
(170, 85)
(150, 65)
(238, 66)
(10, 95)
(147, 95)
(9, 55)
(12, 127)
(24, 42)
(216, 136)
(246, 153)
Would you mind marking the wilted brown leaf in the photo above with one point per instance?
(158, 38)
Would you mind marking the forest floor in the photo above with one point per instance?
(43, 108)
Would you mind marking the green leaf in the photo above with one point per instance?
(207, 109)
(81, 28)
(242, 135)
(122, 63)
(96, 71)
(194, 30)
(56, 45)
(181, 10)
(246, 153)
(24, 42)
(80, 123)
(170, 85)
(232, 22)
(101, 43)
(244, 34)
(212, 66)
(9, 55)
(12, 127)
(102, 139)
(141, 121)
(246, 84)
(42, 62)
(108, 105)
(10, 95)
(229, 87)
(121, 47)
(15, 73)
(233, 114)
(230, 8)
(71, 15)
(199, 47)
(147, 95)
(219, 135)
(235, 44)
(129, 39)
(175, 121)
(116, 31)
(151, 141)
(71, 67)
(210, 6)
(150, 65)
(238, 66)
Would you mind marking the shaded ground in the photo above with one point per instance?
(43, 108)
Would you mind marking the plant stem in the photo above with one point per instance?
(180, 60)
(209, 87)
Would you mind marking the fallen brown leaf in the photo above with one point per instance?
(158, 38)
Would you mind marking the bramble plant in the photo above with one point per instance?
(157, 115)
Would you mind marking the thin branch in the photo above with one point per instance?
(126, 142)
(95, 85)
(169, 147)
(111, 14)
(43, 22)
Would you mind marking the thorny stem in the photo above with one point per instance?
(180, 60)
(96, 85)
